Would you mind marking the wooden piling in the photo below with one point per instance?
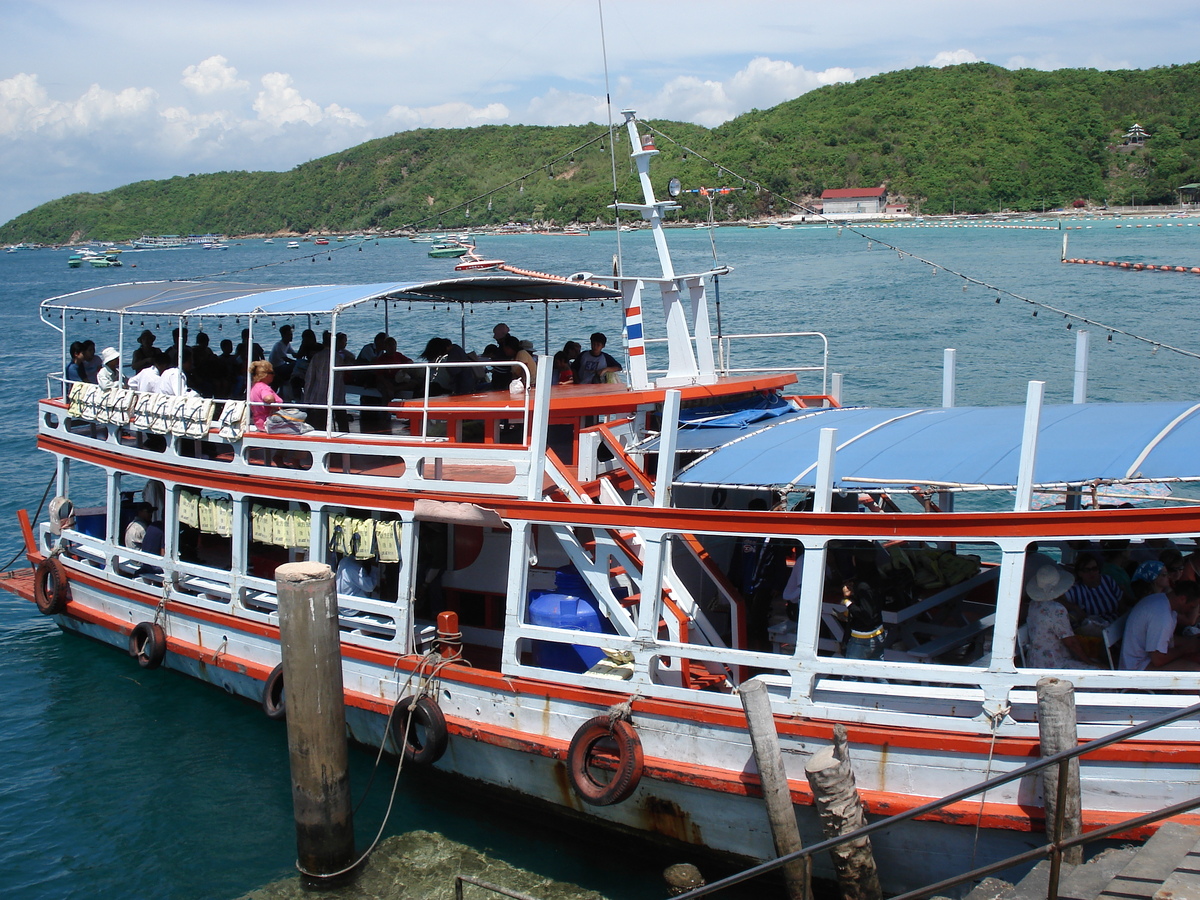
(316, 719)
(1057, 732)
(836, 799)
(769, 758)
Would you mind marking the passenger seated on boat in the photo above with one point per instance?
(91, 365)
(513, 349)
(1117, 567)
(356, 578)
(109, 376)
(1173, 560)
(144, 354)
(76, 370)
(1191, 565)
(447, 379)
(173, 380)
(283, 357)
(389, 382)
(227, 372)
(1053, 643)
(1150, 642)
(370, 352)
(143, 534)
(147, 380)
(1096, 595)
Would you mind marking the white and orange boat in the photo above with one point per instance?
(599, 555)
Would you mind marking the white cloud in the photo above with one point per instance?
(212, 76)
(953, 58)
(281, 104)
(557, 107)
(763, 83)
(445, 115)
(26, 108)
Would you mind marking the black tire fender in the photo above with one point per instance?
(623, 743)
(148, 644)
(51, 592)
(429, 718)
(274, 701)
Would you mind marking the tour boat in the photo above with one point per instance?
(574, 580)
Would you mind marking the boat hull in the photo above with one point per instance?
(513, 734)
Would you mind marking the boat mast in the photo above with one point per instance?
(688, 362)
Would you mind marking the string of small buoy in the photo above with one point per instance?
(1135, 267)
(1072, 318)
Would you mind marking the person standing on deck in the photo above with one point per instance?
(595, 365)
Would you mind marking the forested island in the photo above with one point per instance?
(972, 138)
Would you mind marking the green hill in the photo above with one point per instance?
(972, 137)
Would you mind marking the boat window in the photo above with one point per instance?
(279, 532)
(364, 548)
(206, 523)
(903, 601)
(1075, 597)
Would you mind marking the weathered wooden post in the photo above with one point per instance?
(316, 719)
(1057, 732)
(835, 796)
(769, 758)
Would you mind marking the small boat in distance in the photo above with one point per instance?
(293, 245)
(448, 250)
(268, 241)
(321, 242)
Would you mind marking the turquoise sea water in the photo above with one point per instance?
(115, 781)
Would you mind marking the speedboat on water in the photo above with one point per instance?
(567, 586)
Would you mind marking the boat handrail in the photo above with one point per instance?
(1053, 849)
(725, 354)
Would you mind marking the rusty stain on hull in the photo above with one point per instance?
(666, 818)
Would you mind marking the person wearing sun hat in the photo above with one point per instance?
(1053, 643)
(109, 376)
(143, 356)
(1149, 641)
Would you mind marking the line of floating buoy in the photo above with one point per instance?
(1137, 267)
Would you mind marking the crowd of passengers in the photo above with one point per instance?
(296, 374)
(1145, 596)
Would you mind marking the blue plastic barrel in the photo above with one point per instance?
(571, 606)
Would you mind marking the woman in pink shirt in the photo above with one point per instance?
(262, 398)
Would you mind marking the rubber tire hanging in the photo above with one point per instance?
(148, 644)
(51, 592)
(630, 761)
(274, 701)
(425, 713)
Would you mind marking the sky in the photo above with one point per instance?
(97, 95)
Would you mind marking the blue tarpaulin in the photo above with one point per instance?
(964, 447)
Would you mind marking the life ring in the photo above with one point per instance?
(274, 701)
(50, 589)
(427, 717)
(622, 740)
(148, 644)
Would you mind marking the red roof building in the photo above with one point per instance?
(841, 201)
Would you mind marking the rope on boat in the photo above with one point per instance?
(434, 662)
(37, 515)
(994, 720)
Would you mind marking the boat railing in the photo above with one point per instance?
(725, 354)
(1053, 849)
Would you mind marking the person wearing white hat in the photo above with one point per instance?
(109, 376)
(1053, 643)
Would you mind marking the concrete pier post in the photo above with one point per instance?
(316, 719)
(1057, 732)
(769, 758)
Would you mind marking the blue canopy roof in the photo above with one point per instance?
(223, 298)
(964, 447)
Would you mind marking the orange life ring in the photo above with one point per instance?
(274, 701)
(617, 738)
(50, 589)
(148, 644)
(424, 741)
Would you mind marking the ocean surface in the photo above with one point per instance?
(115, 781)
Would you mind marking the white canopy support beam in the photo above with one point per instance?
(1029, 443)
